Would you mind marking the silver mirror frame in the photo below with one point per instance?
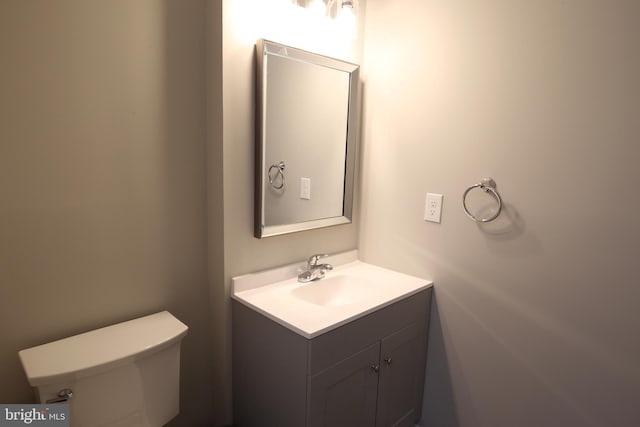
(266, 47)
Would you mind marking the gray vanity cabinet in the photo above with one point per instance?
(400, 387)
(346, 394)
(366, 373)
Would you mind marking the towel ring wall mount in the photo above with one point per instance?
(279, 172)
(489, 186)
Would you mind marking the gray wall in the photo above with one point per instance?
(535, 317)
(102, 177)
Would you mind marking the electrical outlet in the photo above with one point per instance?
(433, 207)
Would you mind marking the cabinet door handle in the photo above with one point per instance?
(388, 360)
(375, 368)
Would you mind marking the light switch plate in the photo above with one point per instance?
(433, 207)
(305, 188)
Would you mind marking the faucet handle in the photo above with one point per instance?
(313, 259)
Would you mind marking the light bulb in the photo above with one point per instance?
(347, 4)
(347, 17)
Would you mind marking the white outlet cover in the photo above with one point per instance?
(433, 207)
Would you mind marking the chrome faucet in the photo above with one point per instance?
(314, 270)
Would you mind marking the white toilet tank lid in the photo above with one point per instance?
(101, 349)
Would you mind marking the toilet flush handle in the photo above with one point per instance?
(63, 395)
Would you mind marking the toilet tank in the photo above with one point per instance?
(126, 374)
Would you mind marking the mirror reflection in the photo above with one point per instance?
(305, 143)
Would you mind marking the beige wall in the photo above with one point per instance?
(102, 177)
(221, 405)
(535, 318)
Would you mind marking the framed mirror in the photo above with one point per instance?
(306, 120)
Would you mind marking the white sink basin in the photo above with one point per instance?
(349, 291)
(334, 290)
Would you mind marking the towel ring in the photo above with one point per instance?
(489, 186)
(279, 167)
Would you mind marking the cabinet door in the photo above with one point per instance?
(345, 394)
(402, 367)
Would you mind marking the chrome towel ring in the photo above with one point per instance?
(488, 185)
(279, 168)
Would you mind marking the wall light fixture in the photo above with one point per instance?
(336, 9)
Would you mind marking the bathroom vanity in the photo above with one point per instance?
(330, 358)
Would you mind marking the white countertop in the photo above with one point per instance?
(352, 290)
